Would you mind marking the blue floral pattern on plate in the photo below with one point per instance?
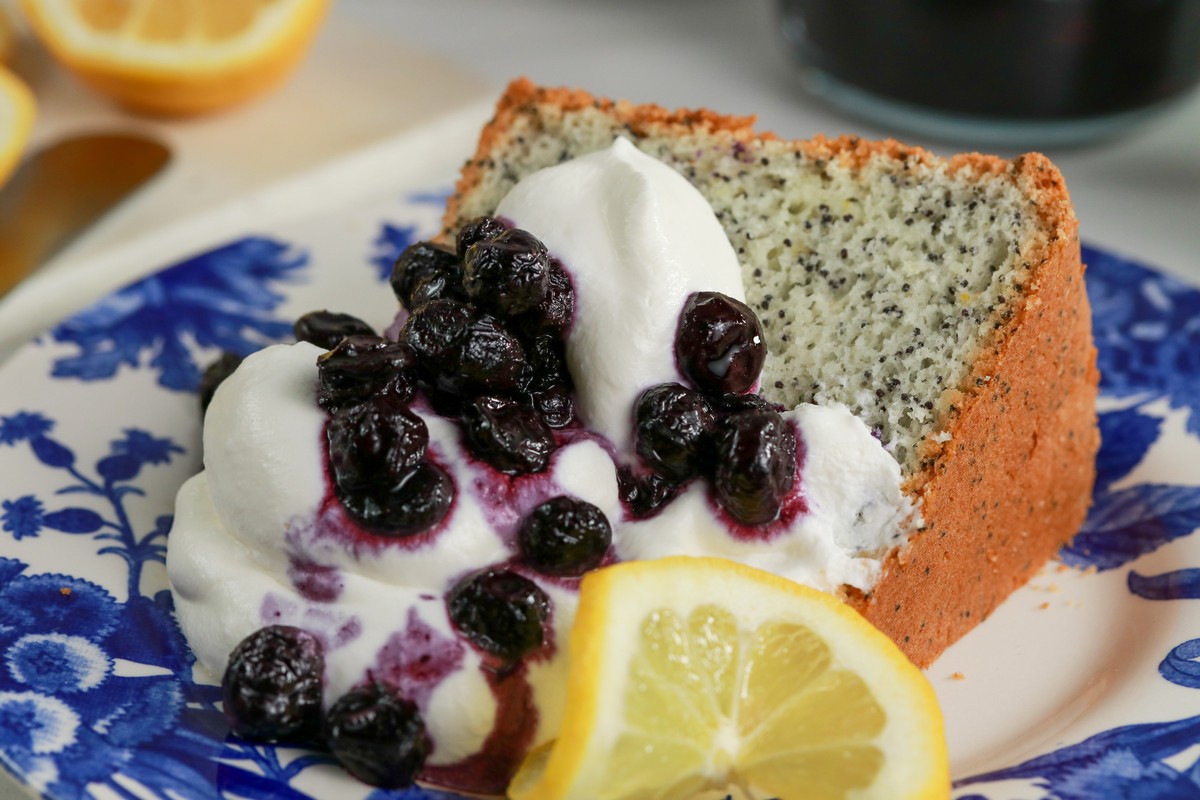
(222, 299)
(1147, 329)
(97, 685)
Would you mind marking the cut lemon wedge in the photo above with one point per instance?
(698, 677)
(16, 120)
(177, 57)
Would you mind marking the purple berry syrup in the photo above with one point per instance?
(416, 659)
(319, 583)
(332, 627)
(490, 770)
(506, 499)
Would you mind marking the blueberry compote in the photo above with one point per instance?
(674, 430)
(482, 342)
(483, 347)
(507, 273)
(738, 441)
(755, 465)
(326, 329)
(426, 271)
(565, 537)
(362, 368)
(377, 461)
(501, 612)
(273, 691)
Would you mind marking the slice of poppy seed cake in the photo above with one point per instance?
(942, 300)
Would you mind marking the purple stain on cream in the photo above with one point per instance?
(392, 331)
(319, 583)
(506, 499)
(335, 629)
(416, 659)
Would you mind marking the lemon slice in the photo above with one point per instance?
(695, 677)
(16, 120)
(177, 57)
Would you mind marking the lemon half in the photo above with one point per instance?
(177, 57)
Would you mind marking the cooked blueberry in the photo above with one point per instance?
(507, 273)
(732, 403)
(556, 311)
(374, 445)
(565, 536)
(214, 375)
(416, 502)
(510, 437)
(755, 465)
(558, 307)
(419, 263)
(437, 287)
(645, 495)
(327, 328)
(477, 230)
(422, 499)
(555, 405)
(719, 343)
(378, 736)
(362, 367)
(445, 404)
(273, 684)
(546, 358)
(435, 330)
(501, 612)
(487, 359)
(673, 430)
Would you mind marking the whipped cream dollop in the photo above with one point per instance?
(260, 538)
(851, 512)
(638, 239)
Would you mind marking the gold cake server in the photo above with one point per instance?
(62, 189)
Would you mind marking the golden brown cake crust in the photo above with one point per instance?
(1014, 480)
(522, 95)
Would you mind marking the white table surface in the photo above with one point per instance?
(381, 67)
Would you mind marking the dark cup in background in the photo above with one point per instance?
(1002, 72)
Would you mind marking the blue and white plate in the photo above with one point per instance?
(1084, 684)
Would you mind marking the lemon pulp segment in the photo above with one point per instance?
(697, 676)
